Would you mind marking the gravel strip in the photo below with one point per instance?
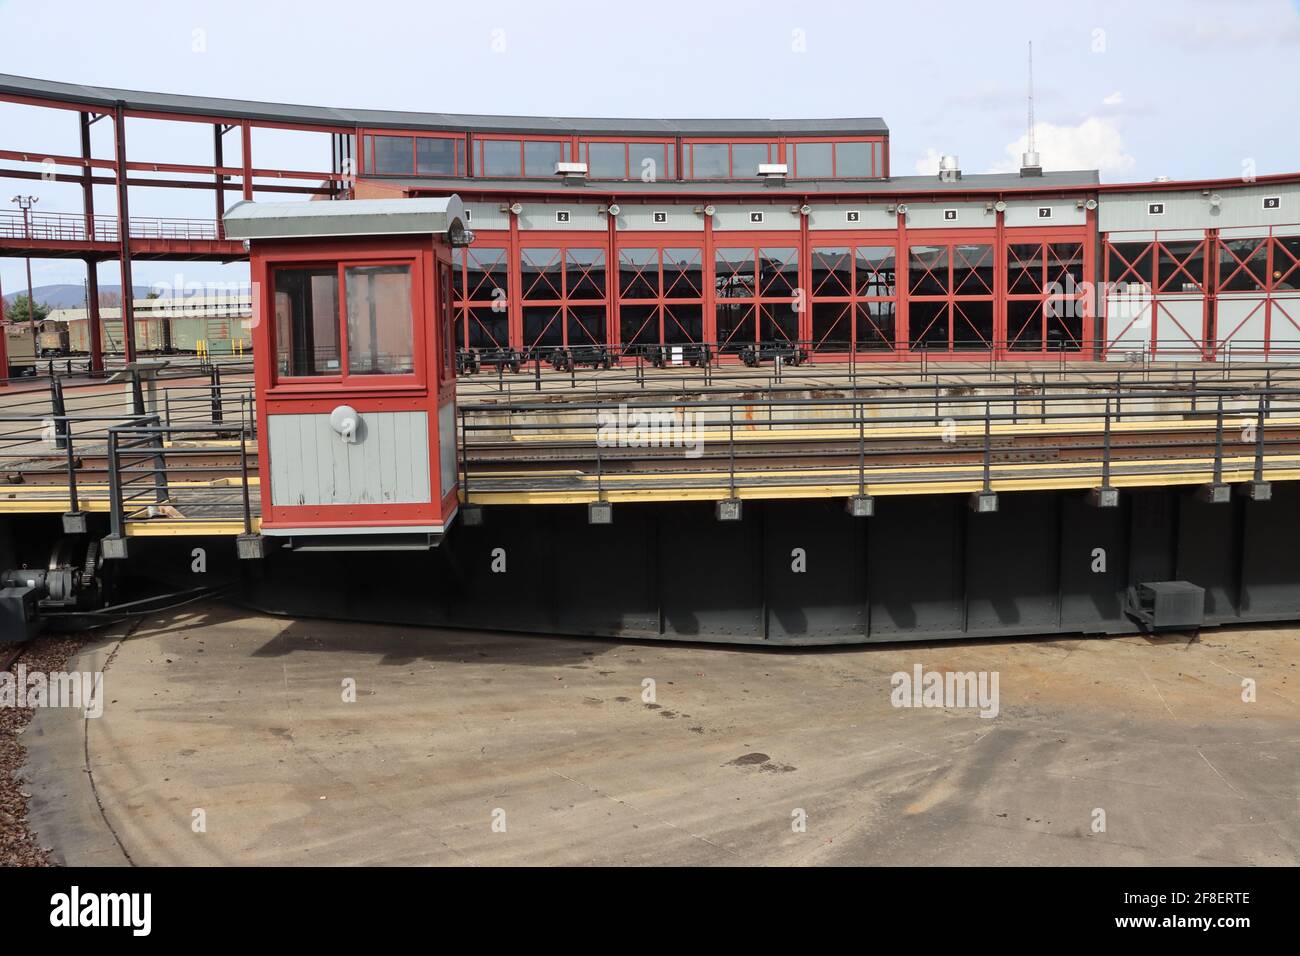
(18, 846)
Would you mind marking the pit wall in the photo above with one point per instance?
(923, 568)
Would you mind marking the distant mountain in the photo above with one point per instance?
(68, 296)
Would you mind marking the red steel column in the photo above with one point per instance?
(611, 280)
(124, 233)
(514, 263)
(217, 131)
(4, 344)
(246, 155)
(709, 278)
(94, 337)
(902, 320)
(804, 325)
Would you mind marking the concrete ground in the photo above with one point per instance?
(468, 748)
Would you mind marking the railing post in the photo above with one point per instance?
(115, 545)
(464, 458)
(243, 476)
(216, 393)
(157, 442)
(59, 411)
(137, 393)
(1105, 450)
(731, 450)
(862, 449)
(988, 448)
(1218, 444)
(1259, 442)
(74, 522)
(600, 490)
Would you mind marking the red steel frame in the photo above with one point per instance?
(536, 291)
(475, 295)
(686, 162)
(766, 296)
(790, 147)
(669, 292)
(476, 152)
(669, 149)
(1168, 263)
(366, 150)
(510, 244)
(956, 271)
(1281, 273)
(831, 292)
(1021, 276)
(428, 388)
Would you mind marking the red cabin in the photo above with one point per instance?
(355, 367)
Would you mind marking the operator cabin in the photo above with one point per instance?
(354, 368)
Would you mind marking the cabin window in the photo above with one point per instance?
(379, 320)
(306, 321)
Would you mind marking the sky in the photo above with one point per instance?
(1138, 90)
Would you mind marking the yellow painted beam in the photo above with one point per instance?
(760, 431)
(187, 527)
(842, 482)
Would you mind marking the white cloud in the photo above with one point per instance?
(1115, 99)
(928, 164)
(1095, 143)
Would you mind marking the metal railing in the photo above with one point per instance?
(153, 473)
(738, 447)
(74, 227)
(658, 374)
(116, 444)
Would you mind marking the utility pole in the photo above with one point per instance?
(25, 203)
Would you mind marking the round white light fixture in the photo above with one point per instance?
(902, 209)
(516, 208)
(710, 210)
(614, 209)
(805, 210)
(1090, 204)
(344, 421)
(1000, 206)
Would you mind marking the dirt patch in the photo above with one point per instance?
(18, 846)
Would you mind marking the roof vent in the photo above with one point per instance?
(1030, 164)
(773, 173)
(949, 169)
(572, 172)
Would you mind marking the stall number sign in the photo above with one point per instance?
(561, 215)
(755, 217)
(1044, 212)
(950, 215)
(1272, 202)
(852, 215)
(1155, 209)
(661, 217)
(469, 214)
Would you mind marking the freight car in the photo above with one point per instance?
(154, 335)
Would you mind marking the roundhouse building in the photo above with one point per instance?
(632, 233)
